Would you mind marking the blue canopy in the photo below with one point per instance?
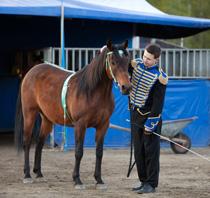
(139, 12)
(145, 13)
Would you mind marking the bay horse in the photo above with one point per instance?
(89, 103)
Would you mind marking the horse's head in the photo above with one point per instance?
(117, 62)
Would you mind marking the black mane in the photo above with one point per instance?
(92, 74)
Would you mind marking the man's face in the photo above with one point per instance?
(149, 59)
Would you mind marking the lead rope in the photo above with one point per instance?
(130, 167)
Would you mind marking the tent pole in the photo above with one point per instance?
(64, 145)
(63, 61)
(63, 65)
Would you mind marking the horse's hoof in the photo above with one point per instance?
(41, 179)
(101, 186)
(39, 175)
(80, 187)
(28, 181)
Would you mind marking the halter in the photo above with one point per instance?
(109, 67)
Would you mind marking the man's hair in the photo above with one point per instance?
(154, 49)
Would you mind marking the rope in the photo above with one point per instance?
(130, 167)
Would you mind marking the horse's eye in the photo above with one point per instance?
(113, 63)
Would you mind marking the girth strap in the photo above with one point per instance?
(63, 98)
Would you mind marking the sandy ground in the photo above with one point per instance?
(181, 175)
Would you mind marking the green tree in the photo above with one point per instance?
(192, 8)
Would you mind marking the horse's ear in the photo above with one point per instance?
(109, 44)
(125, 44)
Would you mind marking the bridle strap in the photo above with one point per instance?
(108, 66)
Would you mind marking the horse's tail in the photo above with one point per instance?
(18, 135)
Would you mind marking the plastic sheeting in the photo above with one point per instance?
(184, 99)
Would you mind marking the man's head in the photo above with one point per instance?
(151, 55)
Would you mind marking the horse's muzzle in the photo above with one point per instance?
(125, 89)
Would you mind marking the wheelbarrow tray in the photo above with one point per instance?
(171, 128)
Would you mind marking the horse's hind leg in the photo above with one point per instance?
(100, 132)
(46, 128)
(29, 118)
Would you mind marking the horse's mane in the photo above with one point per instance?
(90, 75)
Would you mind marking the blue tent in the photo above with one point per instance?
(149, 21)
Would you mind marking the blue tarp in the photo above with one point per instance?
(139, 11)
(9, 86)
(187, 98)
(184, 99)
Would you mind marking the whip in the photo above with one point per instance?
(168, 139)
(161, 136)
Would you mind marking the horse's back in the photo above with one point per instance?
(41, 88)
(42, 71)
(41, 76)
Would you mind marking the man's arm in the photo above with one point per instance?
(158, 96)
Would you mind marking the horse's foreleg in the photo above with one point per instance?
(99, 155)
(79, 141)
(100, 132)
(78, 157)
(46, 128)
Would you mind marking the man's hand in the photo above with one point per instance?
(147, 131)
(151, 124)
(133, 63)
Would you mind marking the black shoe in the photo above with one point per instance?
(135, 189)
(147, 188)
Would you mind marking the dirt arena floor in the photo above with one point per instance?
(181, 175)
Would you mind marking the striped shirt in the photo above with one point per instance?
(143, 79)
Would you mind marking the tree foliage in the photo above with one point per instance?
(192, 8)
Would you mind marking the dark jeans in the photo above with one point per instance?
(146, 150)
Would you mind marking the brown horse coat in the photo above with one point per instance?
(89, 102)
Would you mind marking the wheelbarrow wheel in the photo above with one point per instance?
(186, 143)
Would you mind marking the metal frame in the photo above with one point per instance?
(177, 63)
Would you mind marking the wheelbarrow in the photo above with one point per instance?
(172, 129)
(171, 132)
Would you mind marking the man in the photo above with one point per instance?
(146, 103)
